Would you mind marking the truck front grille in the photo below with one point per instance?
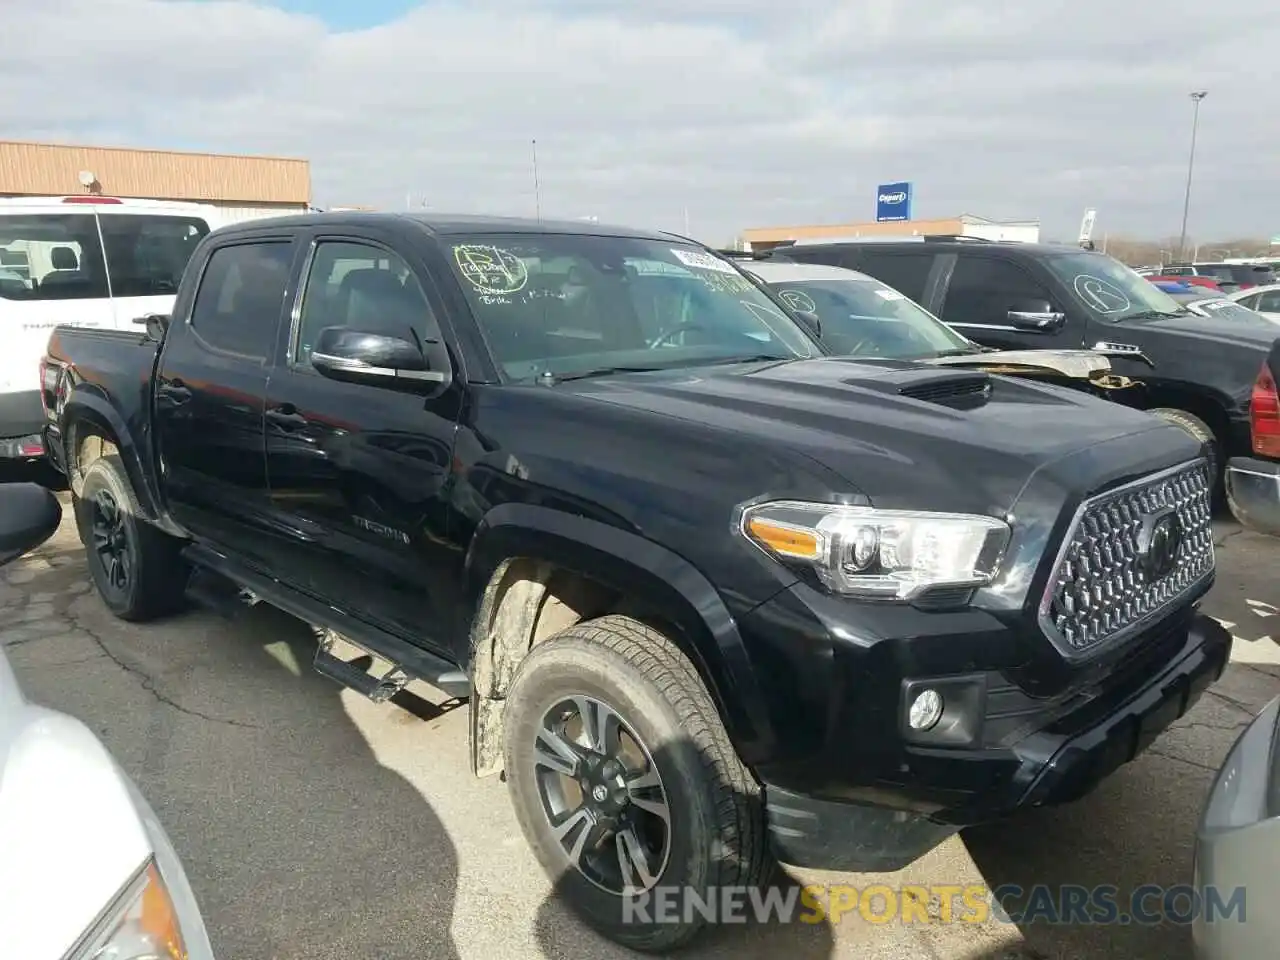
(1129, 554)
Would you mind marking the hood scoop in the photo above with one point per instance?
(960, 391)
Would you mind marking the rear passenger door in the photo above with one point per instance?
(359, 472)
(983, 290)
(209, 393)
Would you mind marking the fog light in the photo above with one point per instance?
(926, 710)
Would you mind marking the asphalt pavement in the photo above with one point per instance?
(315, 824)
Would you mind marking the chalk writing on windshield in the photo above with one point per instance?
(799, 300)
(491, 270)
(1103, 296)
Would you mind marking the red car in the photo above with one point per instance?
(1207, 282)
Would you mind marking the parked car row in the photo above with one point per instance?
(1227, 277)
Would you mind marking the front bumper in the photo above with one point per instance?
(1238, 845)
(21, 421)
(1253, 492)
(885, 825)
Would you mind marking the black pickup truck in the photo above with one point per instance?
(1192, 370)
(716, 597)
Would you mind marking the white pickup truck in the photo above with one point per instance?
(86, 870)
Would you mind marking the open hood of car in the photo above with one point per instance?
(1075, 364)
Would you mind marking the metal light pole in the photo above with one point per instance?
(1196, 97)
(537, 189)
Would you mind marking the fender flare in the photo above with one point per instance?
(644, 569)
(88, 405)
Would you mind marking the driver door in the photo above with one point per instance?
(358, 473)
(983, 293)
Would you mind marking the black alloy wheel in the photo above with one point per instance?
(602, 795)
(111, 540)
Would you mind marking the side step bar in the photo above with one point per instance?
(409, 662)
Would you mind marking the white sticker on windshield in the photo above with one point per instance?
(491, 270)
(704, 261)
(799, 300)
(1103, 296)
(890, 295)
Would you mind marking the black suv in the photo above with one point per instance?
(714, 594)
(1195, 371)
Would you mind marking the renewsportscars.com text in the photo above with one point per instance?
(1071, 904)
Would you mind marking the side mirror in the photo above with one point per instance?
(1036, 316)
(353, 356)
(29, 515)
(811, 321)
(157, 325)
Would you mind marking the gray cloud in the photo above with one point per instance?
(742, 112)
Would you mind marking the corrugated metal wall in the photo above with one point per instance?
(38, 169)
(236, 213)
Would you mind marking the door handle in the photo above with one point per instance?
(172, 394)
(287, 417)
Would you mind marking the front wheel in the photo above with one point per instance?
(1198, 430)
(625, 783)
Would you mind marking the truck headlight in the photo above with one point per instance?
(884, 554)
(140, 924)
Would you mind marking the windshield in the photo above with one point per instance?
(1110, 290)
(866, 318)
(568, 304)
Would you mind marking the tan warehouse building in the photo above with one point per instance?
(241, 187)
(965, 225)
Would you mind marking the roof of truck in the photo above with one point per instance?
(453, 224)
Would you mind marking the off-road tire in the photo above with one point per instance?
(717, 829)
(157, 579)
(1200, 431)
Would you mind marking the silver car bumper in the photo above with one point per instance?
(1253, 491)
(1238, 847)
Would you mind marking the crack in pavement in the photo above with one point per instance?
(1232, 702)
(1173, 756)
(148, 682)
(1227, 536)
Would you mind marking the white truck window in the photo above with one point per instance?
(51, 257)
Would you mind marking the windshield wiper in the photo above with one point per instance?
(963, 351)
(548, 377)
(752, 358)
(1154, 315)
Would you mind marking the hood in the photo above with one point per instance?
(1216, 330)
(906, 435)
(70, 835)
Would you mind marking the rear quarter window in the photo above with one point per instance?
(51, 257)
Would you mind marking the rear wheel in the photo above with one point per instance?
(138, 570)
(625, 782)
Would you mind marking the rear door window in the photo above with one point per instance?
(908, 273)
(238, 305)
(147, 254)
(51, 257)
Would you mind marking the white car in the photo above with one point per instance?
(86, 870)
(1263, 300)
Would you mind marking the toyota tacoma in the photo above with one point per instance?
(717, 598)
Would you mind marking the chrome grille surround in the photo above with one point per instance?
(1099, 592)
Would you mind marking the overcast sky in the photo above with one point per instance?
(740, 112)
